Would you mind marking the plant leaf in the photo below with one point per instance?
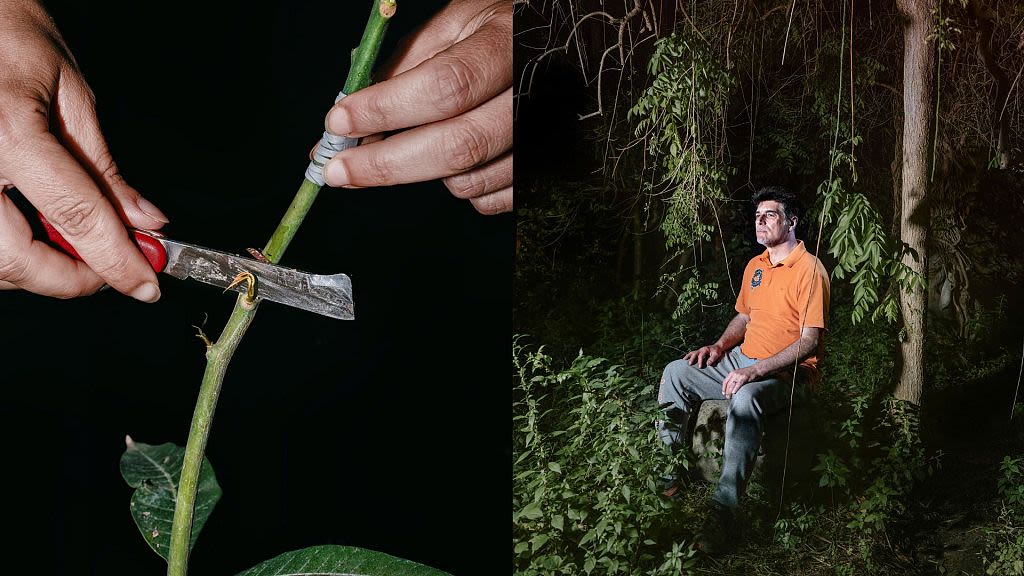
(154, 472)
(332, 560)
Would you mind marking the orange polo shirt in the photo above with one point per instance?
(780, 299)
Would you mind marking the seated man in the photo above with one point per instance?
(781, 313)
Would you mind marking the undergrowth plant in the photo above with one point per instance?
(585, 460)
(1004, 549)
(676, 115)
(864, 250)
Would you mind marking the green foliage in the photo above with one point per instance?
(791, 529)
(879, 456)
(859, 240)
(834, 473)
(1004, 551)
(692, 293)
(1006, 556)
(1011, 484)
(946, 32)
(676, 116)
(874, 488)
(585, 460)
(155, 473)
(863, 248)
(339, 561)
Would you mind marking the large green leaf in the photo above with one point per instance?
(339, 561)
(154, 472)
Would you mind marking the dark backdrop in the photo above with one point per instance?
(387, 432)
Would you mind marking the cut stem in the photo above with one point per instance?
(219, 354)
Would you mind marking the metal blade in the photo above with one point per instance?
(327, 295)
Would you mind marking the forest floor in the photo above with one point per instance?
(944, 528)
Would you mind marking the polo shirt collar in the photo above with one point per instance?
(790, 260)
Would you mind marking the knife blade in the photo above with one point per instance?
(329, 295)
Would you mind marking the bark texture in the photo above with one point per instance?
(918, 115)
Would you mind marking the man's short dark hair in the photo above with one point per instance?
(783, 196)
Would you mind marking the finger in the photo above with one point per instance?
(53, 181)
(76, 124)
(428, 152)
(491, 177)
(436, 34)
(455, 80)
(34, 266)
(493, 203)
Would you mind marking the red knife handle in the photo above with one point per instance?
(151, 248)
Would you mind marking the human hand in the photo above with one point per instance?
(704, 356)
(52, 150)
(450, 84)
(737, 379)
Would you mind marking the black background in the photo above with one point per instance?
(388, 432)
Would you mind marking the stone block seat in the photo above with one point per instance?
(804, 434)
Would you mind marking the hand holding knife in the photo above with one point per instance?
(329, 295)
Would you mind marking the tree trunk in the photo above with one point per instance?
(918, 114)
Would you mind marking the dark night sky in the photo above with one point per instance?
(382, 432)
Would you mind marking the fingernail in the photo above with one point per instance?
(337, 122)
(148, 292)
(335, 173)
(151, 210)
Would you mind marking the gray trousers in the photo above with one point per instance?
(683, 387)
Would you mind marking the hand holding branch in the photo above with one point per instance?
(449, 91)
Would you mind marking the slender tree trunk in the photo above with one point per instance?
(918, 114)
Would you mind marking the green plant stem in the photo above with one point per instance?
(219, 354)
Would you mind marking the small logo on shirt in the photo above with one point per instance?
(756, 280)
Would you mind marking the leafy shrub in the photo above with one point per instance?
(1004, 553)
(791, 529)
(585, 459)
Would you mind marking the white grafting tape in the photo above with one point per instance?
(329, 146)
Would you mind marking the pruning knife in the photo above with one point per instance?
(328, 295)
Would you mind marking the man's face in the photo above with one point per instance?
(771, 226)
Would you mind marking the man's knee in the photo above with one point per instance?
(676, 370)
(745, 402)
(678, 366)
(670, 377)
